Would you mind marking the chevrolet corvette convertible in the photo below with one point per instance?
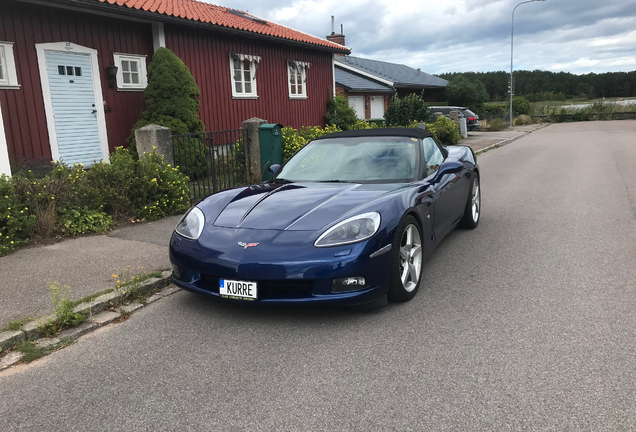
(348, 220)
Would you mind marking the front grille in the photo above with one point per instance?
(267, 289)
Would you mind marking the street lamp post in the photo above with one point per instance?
(512, 35)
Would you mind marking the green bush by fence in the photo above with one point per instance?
(445, 131)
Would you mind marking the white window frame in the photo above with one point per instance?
(254, 60)
(141, 65)
(303, 67)
(10, 77)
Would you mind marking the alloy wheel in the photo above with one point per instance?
(476, 199)
(410, 257)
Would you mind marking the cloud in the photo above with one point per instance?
(463, 35)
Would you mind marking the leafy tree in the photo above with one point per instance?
(403, 112)
(540, 85)
(339, 113)
(463, 92)
(172, 96)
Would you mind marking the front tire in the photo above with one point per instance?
(406, 269)
(472, 211)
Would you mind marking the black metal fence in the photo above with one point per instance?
(213, 161)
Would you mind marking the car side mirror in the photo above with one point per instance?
(273, 168)
(450, 167)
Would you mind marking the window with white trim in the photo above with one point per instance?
(131, 71)
(8, 75)
(297, 79)
(243, 73)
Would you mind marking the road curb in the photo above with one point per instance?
(509, 140)
(94, 309)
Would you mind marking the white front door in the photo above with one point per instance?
(73, 101)
(357, 103)
(377, 107)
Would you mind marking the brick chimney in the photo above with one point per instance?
(335, 37)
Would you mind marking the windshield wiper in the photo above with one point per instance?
(336, 181)
(280, 180)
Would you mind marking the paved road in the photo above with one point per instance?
(528, 322)
(479, 140)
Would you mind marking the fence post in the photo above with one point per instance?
(252, 146)
(157, 136)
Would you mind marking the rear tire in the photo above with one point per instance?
(406, 267)
(472, 211)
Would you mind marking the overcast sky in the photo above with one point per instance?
(577, 36)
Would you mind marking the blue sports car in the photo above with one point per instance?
(347, 220)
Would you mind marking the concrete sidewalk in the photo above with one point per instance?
(85, 263)
(480, 140)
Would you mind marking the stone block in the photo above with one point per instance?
(11, 338)
(45, 342)
(151, 284)
(128, 309)
(166, 274)
(30, 329)
(78, 331)
(153, 298)
(98, 304)
(10, 359)
(252, 146)
(105, 317)
(157, 137)
(169, 290)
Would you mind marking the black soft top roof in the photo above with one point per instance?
(401, 132)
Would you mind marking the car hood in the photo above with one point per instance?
(296, 206)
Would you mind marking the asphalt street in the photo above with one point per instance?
(527, 322)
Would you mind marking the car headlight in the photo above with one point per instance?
(352, 230)
(191, 224)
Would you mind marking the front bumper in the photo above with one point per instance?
(285, 265)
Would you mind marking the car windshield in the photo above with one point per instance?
(374, 159)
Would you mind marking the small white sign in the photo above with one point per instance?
(240, 290)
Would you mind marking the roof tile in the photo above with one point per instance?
(221, 16)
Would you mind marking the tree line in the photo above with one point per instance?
(540, 85)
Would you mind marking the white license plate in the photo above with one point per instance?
(240, 290)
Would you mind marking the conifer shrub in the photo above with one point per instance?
(172, 100)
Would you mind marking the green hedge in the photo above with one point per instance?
(445, 131)
(72, 200)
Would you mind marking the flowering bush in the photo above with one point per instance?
(292, 142)
(159, 189)
(16, 223)
(147, 188)
(73, 200)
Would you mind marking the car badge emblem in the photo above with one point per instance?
(247, 245)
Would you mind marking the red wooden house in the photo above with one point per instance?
(72, 72)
